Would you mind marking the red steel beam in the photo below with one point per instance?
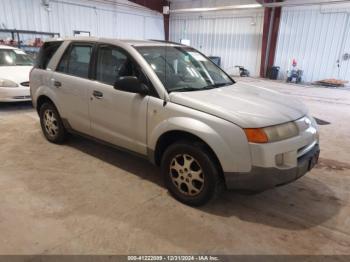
(266, 27)
(269, 46)
(274, 37)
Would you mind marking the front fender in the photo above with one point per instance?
(232, 155)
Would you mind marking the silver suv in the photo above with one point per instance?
(169, 103)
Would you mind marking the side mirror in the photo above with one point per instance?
(131, 84)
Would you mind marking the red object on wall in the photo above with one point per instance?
(294, 63)
(157, 5)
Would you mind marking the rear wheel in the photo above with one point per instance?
(51, 124)
(191, 173)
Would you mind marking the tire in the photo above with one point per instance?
(51, 124)
(187, 166)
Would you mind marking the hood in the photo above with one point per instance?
(243, 104)
(16, 74)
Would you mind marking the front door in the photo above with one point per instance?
(117, 117)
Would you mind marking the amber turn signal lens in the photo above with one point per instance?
(256, 135)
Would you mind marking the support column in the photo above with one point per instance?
(166, 26)
(272, 18)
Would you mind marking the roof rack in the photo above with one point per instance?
(167, 42)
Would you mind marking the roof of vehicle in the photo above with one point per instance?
(7, 47)
(131, 42)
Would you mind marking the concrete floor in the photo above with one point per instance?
(86, 198)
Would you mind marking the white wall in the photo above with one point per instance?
(316, 37)
(126, 20)
(234, 36)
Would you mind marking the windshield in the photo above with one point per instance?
(14, 57)
(184, 69)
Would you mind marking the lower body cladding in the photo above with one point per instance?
(14, 94)
(262, 178)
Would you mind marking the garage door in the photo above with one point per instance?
(344, 57)
(317, 39)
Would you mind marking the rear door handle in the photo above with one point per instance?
(97, 94)
(57, 84)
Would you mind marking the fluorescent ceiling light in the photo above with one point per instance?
(219, 8)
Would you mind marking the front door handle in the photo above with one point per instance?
(97, 94)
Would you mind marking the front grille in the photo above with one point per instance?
(25, 84)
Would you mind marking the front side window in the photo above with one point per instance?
(184, 69)
(112, 63)
(14, 57)
(76, 61)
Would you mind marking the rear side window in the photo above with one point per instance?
(76, 61)
(46, 53)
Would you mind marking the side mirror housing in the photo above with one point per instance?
(131, 84)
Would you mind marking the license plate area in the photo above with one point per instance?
(313, 161)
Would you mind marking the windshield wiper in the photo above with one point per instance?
(217, 85)
(184, 89)
(188, 89)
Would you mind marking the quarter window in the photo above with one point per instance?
(47, 51)
(76, 61)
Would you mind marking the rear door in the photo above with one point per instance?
(71, 81)
(41, 75)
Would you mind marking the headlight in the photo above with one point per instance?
(7, 83)
(272, 133)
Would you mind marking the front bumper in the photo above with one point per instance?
(260, 178)
(15, 94)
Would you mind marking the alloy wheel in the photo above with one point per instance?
(51, 123)
(187, 174)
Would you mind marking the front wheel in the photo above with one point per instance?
(191, 173)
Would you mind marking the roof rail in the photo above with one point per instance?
(167, 42)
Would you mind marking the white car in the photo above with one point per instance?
(15, 66)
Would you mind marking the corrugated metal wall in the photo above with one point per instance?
(236, 38)
(100, 19)
(316, 38)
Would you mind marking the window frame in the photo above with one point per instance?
(94, 65)
(68, 52)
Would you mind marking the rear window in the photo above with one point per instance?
(46, 53)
